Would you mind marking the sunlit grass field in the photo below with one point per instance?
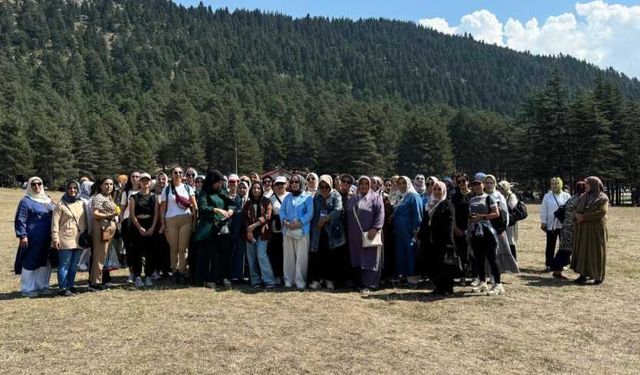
(540, 326)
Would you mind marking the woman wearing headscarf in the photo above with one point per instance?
(274, 249)
(213, 231)
(563, 256)
(504, 187)
(436, 240)
(551, 202)
(365, 216)
(68, 223)
(105, 215)
(406, 222)
(238, 232)
(85, 195)
(33, 229)
(257, 214)
(394, 192)
(296, 214)
(482, 236)
(178, 212)
(590, 236)
(163, 260)
(312, 183)
(506, 261)
(327, 235)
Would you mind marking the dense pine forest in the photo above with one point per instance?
(100, 87)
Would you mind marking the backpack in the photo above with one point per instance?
(518, 212)
(499, 223)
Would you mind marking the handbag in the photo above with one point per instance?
(85, 240)
(366, 242)
(106, 230)
(561, 212)
(296, 234)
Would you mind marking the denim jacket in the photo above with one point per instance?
(334, 228)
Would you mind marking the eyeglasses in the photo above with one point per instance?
(267, 182)
(178, 172)
(34, 184)
(191, 175)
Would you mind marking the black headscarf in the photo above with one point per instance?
(66, 197)
(211, 178)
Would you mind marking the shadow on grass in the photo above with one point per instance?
(419, 296)
(545, 281)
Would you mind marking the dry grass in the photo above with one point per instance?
(539, 326)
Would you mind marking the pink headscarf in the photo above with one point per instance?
(433, 202)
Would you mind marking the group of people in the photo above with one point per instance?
(303, 231)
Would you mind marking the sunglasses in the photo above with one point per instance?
(267, 182)
(178, 172)
(191, 175)
(36, 184)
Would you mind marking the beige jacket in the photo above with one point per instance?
(63, 226)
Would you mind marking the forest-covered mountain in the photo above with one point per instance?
(103, 86)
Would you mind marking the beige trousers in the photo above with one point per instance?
(178, 232)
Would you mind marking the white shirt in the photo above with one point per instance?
(549, 206)
(124, 200)
(172, 207)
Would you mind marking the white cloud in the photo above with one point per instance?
(601, 33)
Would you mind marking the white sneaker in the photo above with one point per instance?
(138, 283)
(481, 288)
(330, 285)
(475, 282)
(130, 278)
(497, 290)
(315, 284)
(82, 267)
(155, 276)
(148, 281)
(227, 283)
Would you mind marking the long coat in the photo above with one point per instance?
(590, 239)
(33, 220)
(436, 239)
(370, 211)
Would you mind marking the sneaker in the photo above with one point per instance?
(82, 267)
(330, 285)
(156, 276)
(475, 282)
(288, 286)
(95, 288)
(365, 291)
(33, 294)
(256, 286)
(481, 288)
(558, 275)
(131, 278)
(66, 293)
(270, 286)
(315, 284)
(547, 269)
(227, 283)
(138, 283)
(148, 281)
(581, 280)
(496, 290)
(107, 286)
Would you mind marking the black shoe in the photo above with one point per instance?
(581, 280)
(597, 282)
(178, 279)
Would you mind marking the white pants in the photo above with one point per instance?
(296, 258)
(32, 281)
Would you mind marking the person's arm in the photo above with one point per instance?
(418, 212)
(594, 215)
(20, 224)
(194, 211)
(55, 227)
(284, 212)
(133, 218)
(307, 216)
(378, 213)
(155, 218)
(336, 213)
(124, 203)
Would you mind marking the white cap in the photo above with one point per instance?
(280, 180)
(234, 177)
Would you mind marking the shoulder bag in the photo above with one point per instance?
(366, 242)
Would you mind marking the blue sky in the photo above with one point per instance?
(604, 33)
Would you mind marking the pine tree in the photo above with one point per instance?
(425, 147)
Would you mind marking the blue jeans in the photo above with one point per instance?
(259, 263)
(68, 262)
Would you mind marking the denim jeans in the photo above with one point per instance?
(68, 262)
(259, 264)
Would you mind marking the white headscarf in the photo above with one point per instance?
(433, 201)
(317, 183)
(40, 197)
(410, 188)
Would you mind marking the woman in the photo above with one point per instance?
(144, 217)
(163, 259)
(267, 185)
(506, 261)
(68, 223)
(551, 202)
(190, 177)
(591, 234)
(406, 222)
(238, 234)
(563, 255)
(327, 235)
(460, 201)
(275, 245)
(198, 184)
(504, 187)
(105, 215)
(482, 236)
(178, 211)
(33, 229)
(131, 187)
(365, 216)
(436, 240)
(312, 183)
(213, 231)
(85, 194)
(257, 214)
(387, 186)
(394, 191)
(296, 213)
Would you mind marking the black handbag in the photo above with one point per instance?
(85, 240)
(561, 212)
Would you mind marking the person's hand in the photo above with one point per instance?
(371, 233)
(579, 218)
(543, 226)
(55, 245)
(322, 222)
(476, 218)
(161, 230)
(24, 242)
(295, 225)
(143, 232)
(250, 236)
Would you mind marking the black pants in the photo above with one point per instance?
(275, 253)
(462, 249)
(192, 262)
(552, 239)
(561, 259)
(162, 257)
(484, 247)
(127, 231)
(324, 263)
(389, 256)
(140, 246)
(214, 259)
